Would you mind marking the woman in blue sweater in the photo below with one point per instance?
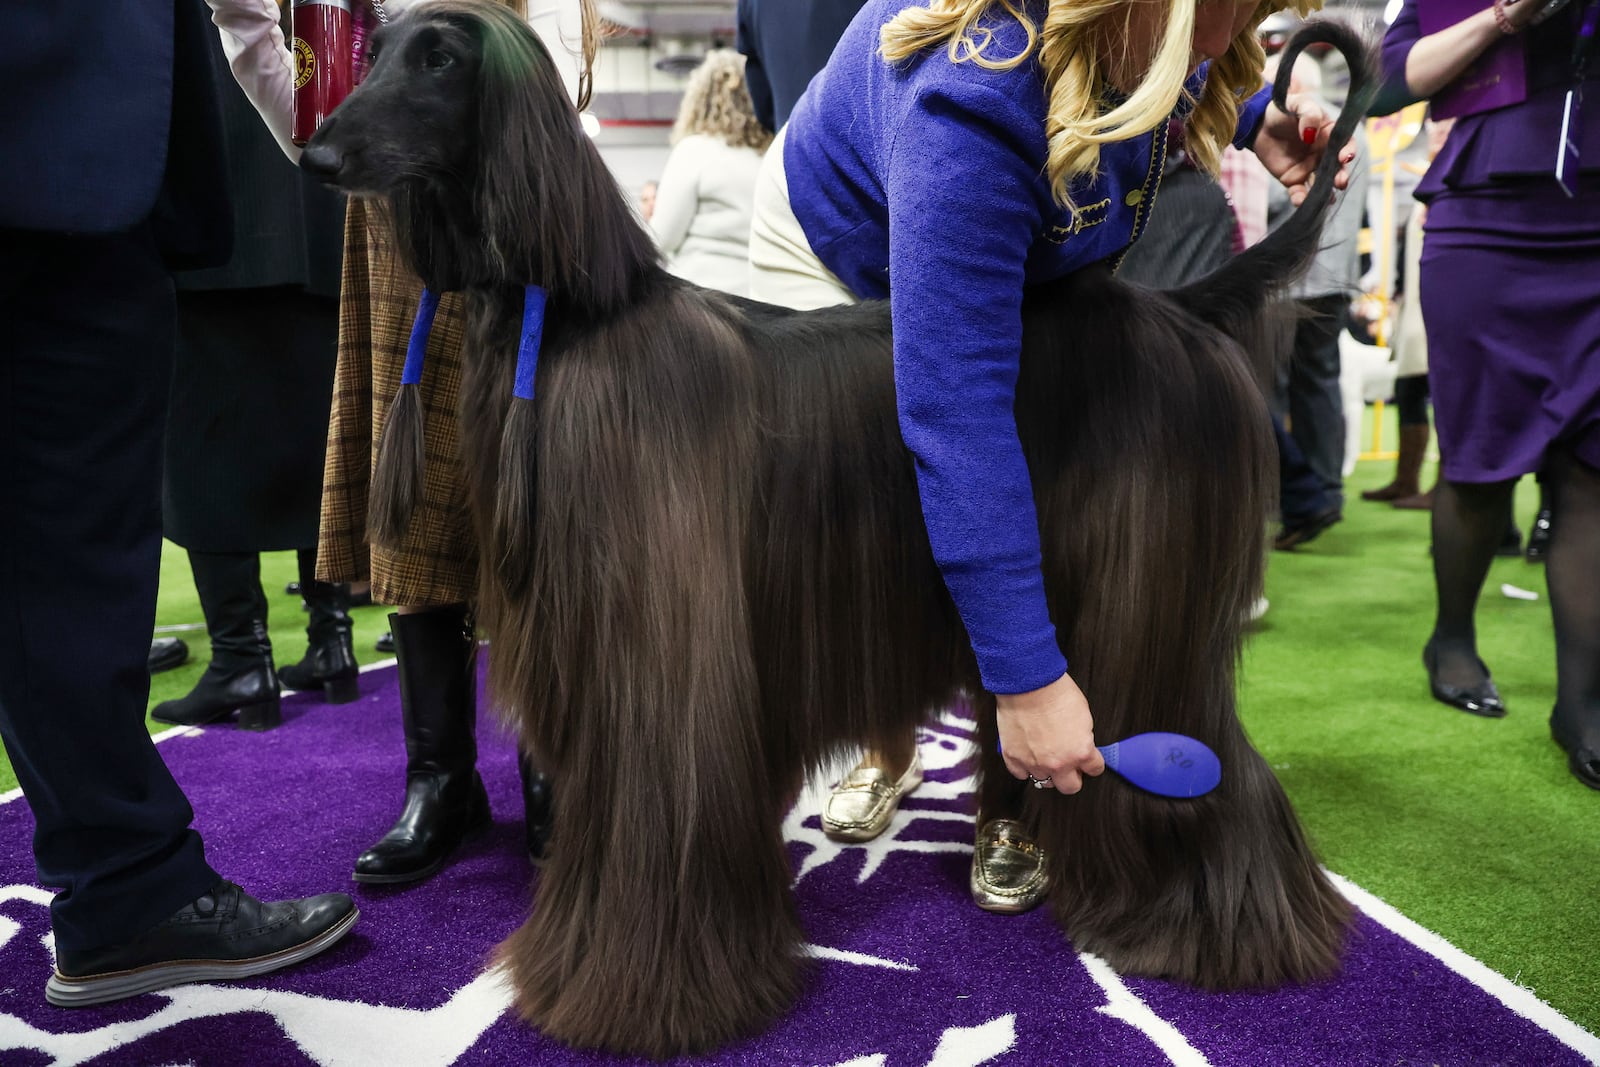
(949, 155)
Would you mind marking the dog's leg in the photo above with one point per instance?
(663, 922)
(1153, 551)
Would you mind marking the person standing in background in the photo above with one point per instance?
(785, 43)
(1307, 390)
(701, 216)
(110, 129)
(1411, 359)
(248, 423)
(1507, 281)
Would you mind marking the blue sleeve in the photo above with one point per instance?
(1251, 112)
(962, 189)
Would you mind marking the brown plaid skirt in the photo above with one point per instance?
(438, 561)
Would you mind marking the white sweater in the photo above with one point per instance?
(703, 206)
(264, 68)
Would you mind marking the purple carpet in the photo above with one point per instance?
(907, 972)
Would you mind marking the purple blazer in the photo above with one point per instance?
(1512, 142)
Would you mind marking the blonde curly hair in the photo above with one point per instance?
(717, 103)
(1072, 44)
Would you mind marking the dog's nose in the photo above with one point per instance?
(322, 161)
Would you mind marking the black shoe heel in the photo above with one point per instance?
(1584, 763)
(267, 715)
(340, 690)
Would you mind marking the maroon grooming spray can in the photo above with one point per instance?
(322, 62)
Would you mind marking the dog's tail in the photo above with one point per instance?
(1233, 297)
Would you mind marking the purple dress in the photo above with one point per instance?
(1510, 281)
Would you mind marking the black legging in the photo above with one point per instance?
(1468, 523)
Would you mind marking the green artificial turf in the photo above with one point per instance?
(1469, 826)
(1472, 827)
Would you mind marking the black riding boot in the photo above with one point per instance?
(538, 802)
(240, 677)
(330, 660)
(445, 800)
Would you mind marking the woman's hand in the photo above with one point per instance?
(1290, 144)
(1048, 734)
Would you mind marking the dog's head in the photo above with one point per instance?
(464, 129)
(450, 80)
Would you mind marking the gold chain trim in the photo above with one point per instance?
(1147, 192)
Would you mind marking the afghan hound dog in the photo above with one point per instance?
(706, 573)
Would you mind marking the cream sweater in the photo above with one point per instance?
(703, 206)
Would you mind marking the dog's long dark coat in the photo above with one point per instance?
(706, 569)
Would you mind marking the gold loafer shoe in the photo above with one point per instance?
(860, 807)
(1008, 869)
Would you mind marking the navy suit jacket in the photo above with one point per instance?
(785, 43)
(110, 120)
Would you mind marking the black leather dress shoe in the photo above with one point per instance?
(1303, 529)
(1582, 760)
(1539, 537)
(167, 653)
(226, 933)
(1481, 699)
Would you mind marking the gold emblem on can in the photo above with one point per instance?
(305, 62)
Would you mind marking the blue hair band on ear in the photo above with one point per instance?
(533, 303)
(418, 345)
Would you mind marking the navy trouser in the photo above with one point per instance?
(1301, 490)
(1308, 392)
(85, 365)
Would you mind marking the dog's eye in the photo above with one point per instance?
(437, 60)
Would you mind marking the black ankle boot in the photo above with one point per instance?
(330, 660)
(445, 800)
(251, 690)
(241, 677)
(538, 804)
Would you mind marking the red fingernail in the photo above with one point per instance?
(1309, 136)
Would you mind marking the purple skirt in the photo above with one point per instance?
(1510, 290)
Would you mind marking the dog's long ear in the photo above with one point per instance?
(511, 544)
(528, 133)
(551, 211)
